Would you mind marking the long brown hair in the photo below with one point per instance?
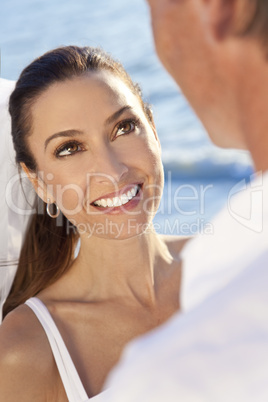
(49, 244)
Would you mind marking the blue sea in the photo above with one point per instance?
(199, 176)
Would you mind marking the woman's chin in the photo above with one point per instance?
(115, 230)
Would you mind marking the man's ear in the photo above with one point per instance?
(38, 184)
(227, 17)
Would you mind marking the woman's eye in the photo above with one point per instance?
(68, 149)
(126, 127)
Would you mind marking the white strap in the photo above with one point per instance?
(69, 376)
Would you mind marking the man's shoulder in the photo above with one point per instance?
(175, 244)
(206, 347)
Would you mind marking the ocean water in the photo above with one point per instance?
(30, 27)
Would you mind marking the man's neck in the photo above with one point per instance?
(253, 101)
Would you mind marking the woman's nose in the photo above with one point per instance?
(108, 166)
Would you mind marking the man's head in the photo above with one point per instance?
(209, 46)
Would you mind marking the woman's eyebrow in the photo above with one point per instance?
(73, 133)
(116, 115)
(66, 133)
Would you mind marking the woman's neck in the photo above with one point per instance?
(107, 268)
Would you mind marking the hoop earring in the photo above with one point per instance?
(49, 213)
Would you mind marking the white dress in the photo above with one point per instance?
(72, 384)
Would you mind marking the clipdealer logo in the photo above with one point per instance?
(249, 213)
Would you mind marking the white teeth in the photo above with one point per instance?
(134, 191)
(124, 199)
(101, 203)
(109, 202)
(117, 201)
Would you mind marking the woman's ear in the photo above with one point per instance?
(38, 184)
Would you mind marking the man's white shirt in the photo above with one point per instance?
(15, 203)
(216, 349)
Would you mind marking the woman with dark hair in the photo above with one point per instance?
(93, 274)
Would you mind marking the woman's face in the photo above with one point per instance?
(98, 157)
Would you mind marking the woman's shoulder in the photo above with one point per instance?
(25, 357)
(20, 328)
(175, 244)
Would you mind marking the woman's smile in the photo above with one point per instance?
(129, 198)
